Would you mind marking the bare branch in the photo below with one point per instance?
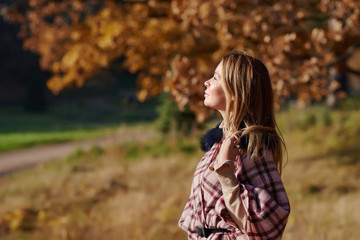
(348, 53)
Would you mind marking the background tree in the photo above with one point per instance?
(174, 45)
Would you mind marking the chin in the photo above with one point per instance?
(206, 104)
(209, 106)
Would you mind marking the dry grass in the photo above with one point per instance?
(323, 188)
(138, 191)
(112, 195)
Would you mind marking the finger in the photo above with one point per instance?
(234, 142)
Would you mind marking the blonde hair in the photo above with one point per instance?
(250, 101)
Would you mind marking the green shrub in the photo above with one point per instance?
(187, 147)
(325, 118)
(352, 102)
(171, 118)
(97, 150)
(132, 151)
(78, 152)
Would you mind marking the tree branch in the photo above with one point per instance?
(348, 53)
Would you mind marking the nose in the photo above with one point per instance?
(207, 83)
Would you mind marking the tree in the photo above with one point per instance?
(174, 45)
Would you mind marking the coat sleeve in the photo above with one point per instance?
(255, 196)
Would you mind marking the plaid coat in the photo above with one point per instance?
(261, 193)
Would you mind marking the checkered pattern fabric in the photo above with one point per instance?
(261, 193)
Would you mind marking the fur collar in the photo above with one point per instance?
(215, 135)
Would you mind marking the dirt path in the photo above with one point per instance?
(26, 158)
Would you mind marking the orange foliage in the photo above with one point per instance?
(175, 45)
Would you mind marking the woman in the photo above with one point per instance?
(237, 192)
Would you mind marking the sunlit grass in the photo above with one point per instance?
(11, 141)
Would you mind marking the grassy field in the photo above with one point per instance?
(67, 122)
(137, 190)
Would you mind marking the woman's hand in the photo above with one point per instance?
(229, 148)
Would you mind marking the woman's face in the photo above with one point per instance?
(214, 93)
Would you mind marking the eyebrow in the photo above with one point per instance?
(217, 74)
